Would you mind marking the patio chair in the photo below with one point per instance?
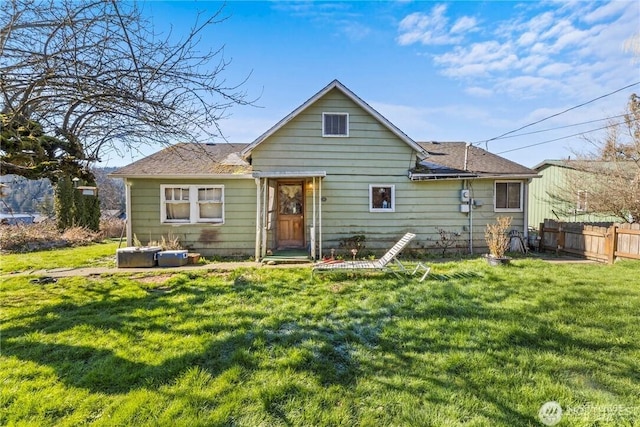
(389, 263)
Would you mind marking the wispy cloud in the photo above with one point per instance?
(540, 50)
(433, 28)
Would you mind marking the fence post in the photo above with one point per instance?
(611, 243)
(561, 237)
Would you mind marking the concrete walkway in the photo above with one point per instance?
(216, 267)
(100, 271)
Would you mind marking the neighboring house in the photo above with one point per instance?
(332, 169)
(554, 176)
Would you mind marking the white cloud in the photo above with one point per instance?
(479, 92)
(464, 24)
(555, 69)
(607, 10)
(546, 49)
(433, 28)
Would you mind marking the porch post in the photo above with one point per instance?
(265, 219)
(258, 227)
(313, 227)
(320, 216)
(127, 210)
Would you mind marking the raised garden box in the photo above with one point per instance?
(131, 257)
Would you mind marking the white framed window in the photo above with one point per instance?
(508, 196)
(382, 198)
(190, 204)
(581, 202)
(335, 124)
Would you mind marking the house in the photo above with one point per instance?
(547, 194)
(334, 168)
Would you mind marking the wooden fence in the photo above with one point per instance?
(600, 241)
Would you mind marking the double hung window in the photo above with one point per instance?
(192, 204)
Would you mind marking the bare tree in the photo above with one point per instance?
(96, 80)
(606, 180)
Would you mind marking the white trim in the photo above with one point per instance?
(497, 209)
(127, 208)
(335, 135)
(290, 174)
(392, 208)
(194, 204)
(258, 225)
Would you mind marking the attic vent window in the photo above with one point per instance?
(335, 124)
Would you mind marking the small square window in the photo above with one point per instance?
(508, 196)
(382, 198)
(335, 124)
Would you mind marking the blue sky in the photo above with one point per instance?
(443, 71)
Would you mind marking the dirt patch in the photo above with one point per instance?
(159, 279)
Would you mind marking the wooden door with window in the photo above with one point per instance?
(290, 229)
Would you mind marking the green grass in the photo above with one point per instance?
(472, 345)
(102, 254)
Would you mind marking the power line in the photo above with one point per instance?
(560, 138)
(559, 127)
(557, 114)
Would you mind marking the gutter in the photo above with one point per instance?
(208, 176)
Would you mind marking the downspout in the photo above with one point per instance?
(127, 210)
(466, 185)
(525, 232)
(258, 228)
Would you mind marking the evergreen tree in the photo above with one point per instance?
(64, 203)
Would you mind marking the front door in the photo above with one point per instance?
(290, 229)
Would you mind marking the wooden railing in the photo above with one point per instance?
(604, 242)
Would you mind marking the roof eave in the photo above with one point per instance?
(458, 176)
(184, 176)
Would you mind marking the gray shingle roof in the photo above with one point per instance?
(189, 160)
(448, 158)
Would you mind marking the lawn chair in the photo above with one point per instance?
(383, 264)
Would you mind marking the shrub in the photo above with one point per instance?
(43, 235)
(496, 236)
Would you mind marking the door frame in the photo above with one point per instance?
(302, 214)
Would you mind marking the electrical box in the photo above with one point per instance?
(464, 208)
(465, 195)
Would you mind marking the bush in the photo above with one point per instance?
(496, 236)
(43, 235)
(112, 227)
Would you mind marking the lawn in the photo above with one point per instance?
(471, 345)
(101, 254)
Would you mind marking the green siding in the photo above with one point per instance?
(236, 237)
(542, 206)
(421, 208)
(299, 145)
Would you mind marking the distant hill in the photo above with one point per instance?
(27, 196)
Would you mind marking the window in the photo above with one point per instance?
(192, 204)
(382, 198)
(508, 196)
(335, 124)
(581, 203)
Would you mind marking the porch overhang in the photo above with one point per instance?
(262, 179)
